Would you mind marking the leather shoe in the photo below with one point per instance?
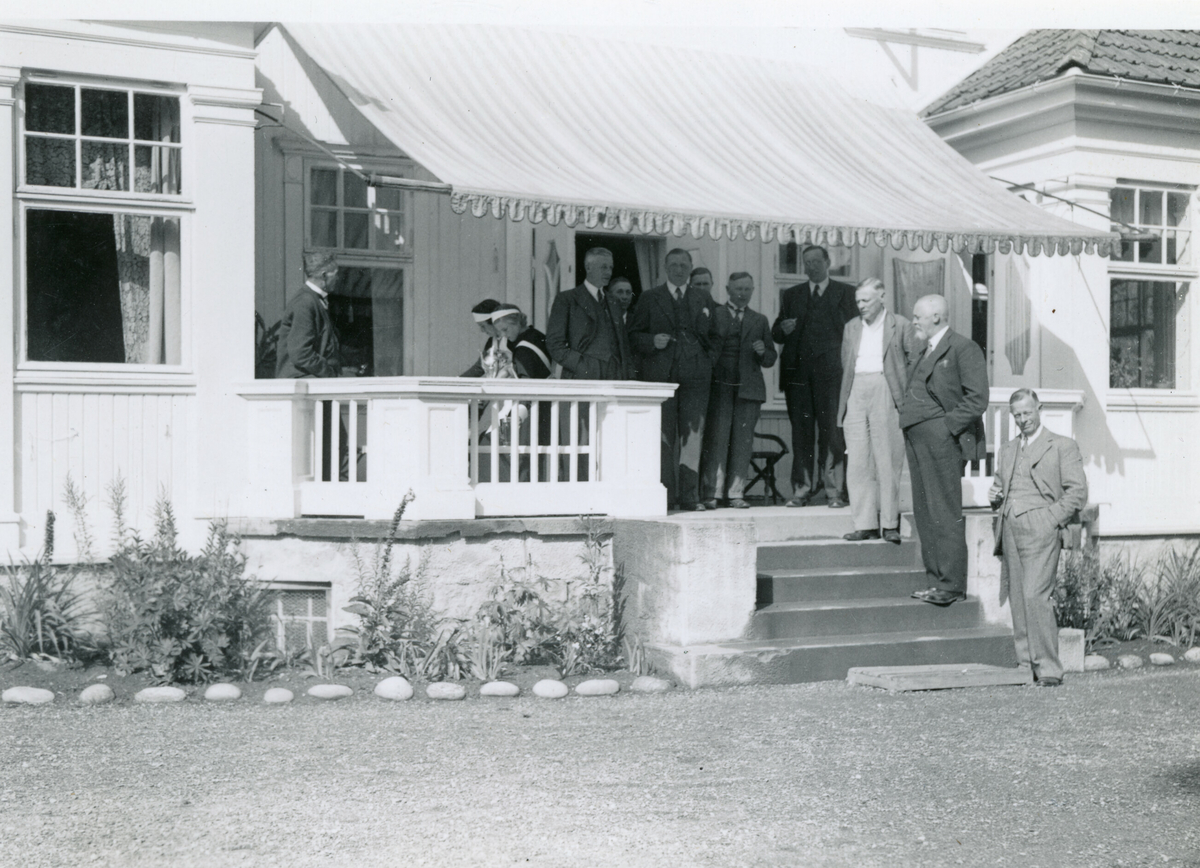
(938, 597)
(1048, 682)
(798, 501)
(837, 503)
(892, 535)
(709, 504)
(861, 535)
(922, 594)
(738, 503)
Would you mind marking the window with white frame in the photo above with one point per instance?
(366, 226)
(1149, 280)
(791, 260)
(101, 252)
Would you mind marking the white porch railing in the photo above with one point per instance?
(466, 447)
(1059, 407)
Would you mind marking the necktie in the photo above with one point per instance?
(679, 293)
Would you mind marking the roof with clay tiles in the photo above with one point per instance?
(1161, 56)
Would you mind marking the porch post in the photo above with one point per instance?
(10, 521)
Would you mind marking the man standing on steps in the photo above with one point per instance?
(942, 418)
(1039, 488)
(811, 319)
(676, 341)
(877, 348)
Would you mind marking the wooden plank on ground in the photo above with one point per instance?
(941, 676)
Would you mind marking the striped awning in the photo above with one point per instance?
(611, 135)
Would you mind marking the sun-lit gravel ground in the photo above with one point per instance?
(1103, 771)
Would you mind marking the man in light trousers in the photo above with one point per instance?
(877, 347)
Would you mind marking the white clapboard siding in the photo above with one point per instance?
(95, 438)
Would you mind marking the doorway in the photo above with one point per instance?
(626, 262)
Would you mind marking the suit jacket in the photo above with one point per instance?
(691, 353)
(747, 372)
(574, 321)
(308, 343)
(1057, 470)
(901, 347)
(956, 377)
(793, 304)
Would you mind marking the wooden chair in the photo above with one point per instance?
(762, 462)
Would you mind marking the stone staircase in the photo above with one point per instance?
(825, 605)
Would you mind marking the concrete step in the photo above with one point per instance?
(938, 676)
(825, 658)
(837, 554)
(853, 583)
(871, 615)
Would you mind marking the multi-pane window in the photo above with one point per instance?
(102, 279)
(301, 617)
(1163, 220)
(347, 214)
(91, 138)
(791, 260)
(1142, 347)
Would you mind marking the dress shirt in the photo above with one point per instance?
(322, 294)
(736, 312)
(676, 291)
(870, 347)
(819, 288)
(1025, 441)
(933, 341)
(594, 290)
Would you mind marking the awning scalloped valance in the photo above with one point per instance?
(609, 218)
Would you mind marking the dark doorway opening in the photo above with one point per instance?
(979, 300)
(624, 253)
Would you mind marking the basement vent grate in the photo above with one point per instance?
(301, 618)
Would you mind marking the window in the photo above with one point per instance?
(347, 214)
(301, 616)
(102, 276)
(99, 139)
(367, 308)
(1142, 347)
(1162, 215)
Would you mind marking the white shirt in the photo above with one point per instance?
(819, 288)
(594, 290)
(870, 348)
(676, 291)
(1025, 441)
(322, 294)
(936, 339)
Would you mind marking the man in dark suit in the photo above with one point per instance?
(308, 342)
(583, 334)
(586, 337)
(736, 396)
(812, 316)
(877, 347)
(942, 418)
(1039, 487)
(673, 334)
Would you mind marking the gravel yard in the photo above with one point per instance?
(1103, 771)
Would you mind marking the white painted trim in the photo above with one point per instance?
(105, 200)
(1152, 400)
(89, 36)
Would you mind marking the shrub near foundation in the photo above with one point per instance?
(181, 618)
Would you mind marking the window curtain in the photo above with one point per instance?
(387, 321)
(647, 260)
(148, 284)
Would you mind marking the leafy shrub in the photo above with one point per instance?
(398, 630)
(41, 612)
(1169, 602)
(182, 618)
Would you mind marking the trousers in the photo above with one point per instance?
(812, 405)
(874, 453)
(935, 461)
(728, 444)
(1032, 546)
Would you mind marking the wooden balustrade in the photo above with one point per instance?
(467, 447)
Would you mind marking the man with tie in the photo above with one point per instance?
(1039, 487)
(622, 291)
(942, 418)
(877, 347)
(673, 334)
(585, 336)
(736, 396)
(812, 316)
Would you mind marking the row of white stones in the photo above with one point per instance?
(394, 688)
(1098, 662)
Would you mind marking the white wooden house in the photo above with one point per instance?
(167, 180)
